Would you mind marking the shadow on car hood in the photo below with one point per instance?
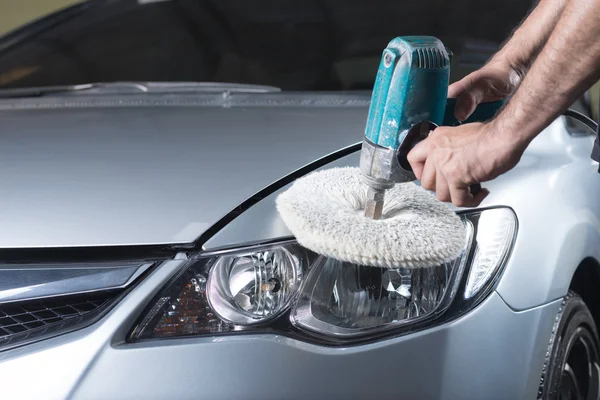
(94, 173)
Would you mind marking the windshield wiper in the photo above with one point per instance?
(137, 87)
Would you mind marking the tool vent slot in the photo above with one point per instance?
(431, 58)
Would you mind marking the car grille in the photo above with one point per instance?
(24, 322)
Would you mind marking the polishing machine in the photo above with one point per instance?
(409, 100)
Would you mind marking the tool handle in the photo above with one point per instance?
(415, 135)
(475, 188)
(483, 112)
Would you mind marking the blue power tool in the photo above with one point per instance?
(409, 100)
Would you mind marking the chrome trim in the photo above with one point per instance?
(36, 281)
(242, 247)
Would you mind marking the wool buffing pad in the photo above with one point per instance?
(324, 210)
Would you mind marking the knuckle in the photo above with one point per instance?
(428, 185)
(471, 80)
(440, 138)
(433, 135)
(432, 142)
(452, 173)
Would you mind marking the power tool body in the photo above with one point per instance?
(409, 101)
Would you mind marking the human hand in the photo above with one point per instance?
(494, 81)
(453, 158)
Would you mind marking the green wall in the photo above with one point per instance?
(14, 13)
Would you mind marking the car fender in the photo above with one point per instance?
(557, 204)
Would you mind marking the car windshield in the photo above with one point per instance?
(299, 45)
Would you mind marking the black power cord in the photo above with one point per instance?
(590, 123)
(587, 121)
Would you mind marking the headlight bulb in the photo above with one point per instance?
(253, 287)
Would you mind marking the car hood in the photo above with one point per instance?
(101, 172)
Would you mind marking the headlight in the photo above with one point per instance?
(233, 290)
(285, 288)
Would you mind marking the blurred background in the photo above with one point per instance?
(14, 13)
(291, 44)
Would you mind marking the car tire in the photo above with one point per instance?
(572, 366)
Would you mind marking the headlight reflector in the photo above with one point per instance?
(254, 287)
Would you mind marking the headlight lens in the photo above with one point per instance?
(285, 288)
(345, 300)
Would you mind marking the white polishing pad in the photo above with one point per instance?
(324, 210)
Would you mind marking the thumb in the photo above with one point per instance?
(469, 92)
(468, 101)
(458, 87)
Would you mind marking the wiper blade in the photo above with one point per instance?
(209, 87)
(137, 87)
(49, 90)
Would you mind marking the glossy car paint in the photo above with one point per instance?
(108, 174)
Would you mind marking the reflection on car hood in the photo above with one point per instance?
(88, 175)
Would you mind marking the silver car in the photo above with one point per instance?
(142, 145)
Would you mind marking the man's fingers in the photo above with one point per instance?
(469, 92)
(428, 177)
(462, 197)
(467, 102)
(455, 89)
(417, 157)
(442, 190)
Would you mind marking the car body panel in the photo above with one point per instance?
(556, 200)
(88, 172)
(440, 362)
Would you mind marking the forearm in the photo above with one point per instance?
(527, 40)
(568, 64)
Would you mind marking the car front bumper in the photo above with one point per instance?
(492, 352)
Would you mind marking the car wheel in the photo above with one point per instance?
(572, 366)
